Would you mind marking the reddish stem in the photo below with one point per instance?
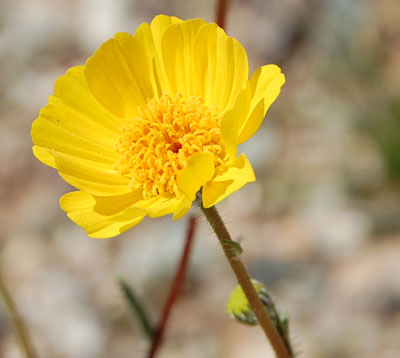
(175, 289)
(221, 13)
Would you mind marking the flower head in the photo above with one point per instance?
(150, 120)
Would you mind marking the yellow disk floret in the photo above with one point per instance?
(156, 145)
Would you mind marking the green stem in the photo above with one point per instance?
(16, 321)
(243, 278)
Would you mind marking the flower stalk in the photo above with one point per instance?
(16, 321)
(244, 280)
(221, 12)
(175, 289)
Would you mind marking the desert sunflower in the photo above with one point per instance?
(150, 120)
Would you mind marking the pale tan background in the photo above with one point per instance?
(320, 226)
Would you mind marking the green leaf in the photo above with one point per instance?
(137, 308)
(233, 246)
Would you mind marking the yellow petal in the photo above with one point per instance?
(44, 155)
(233, 178)
(198, 171)
(50, 131)
(120, 75)
(221, 67)
(158, 27)
(158, 206)
(111, 205)
(85, 210)
(144, 36)
(266, 85)
(72, 89)
(182, 208)
(150, 37)
(232, 120)
(90, 176)
(74, 123)
(178, 58)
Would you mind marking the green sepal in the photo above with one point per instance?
(238, 308)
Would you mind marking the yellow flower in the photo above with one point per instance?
(151, 119)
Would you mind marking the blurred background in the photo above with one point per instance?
(320, 226)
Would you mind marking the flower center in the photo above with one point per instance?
(156, 145)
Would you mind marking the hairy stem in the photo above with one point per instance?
(243, 278)
(175, 289)
(15, 319)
